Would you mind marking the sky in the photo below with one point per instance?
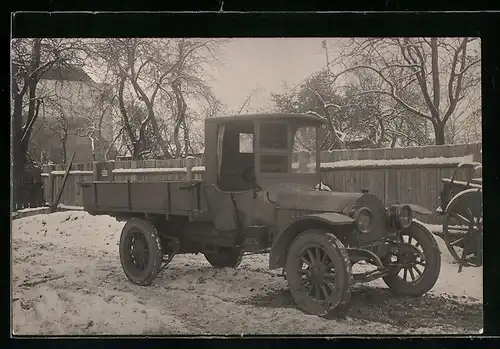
(257, 67)
(264, 65)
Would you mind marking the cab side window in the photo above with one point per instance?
(274, 147)
(246, 143)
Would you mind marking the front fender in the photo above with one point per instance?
(329, 221)
(420, 209)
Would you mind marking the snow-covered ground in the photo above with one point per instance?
(67, 280)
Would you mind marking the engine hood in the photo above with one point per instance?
(315, 200)
(311, 201)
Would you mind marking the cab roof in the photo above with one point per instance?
(303, 118)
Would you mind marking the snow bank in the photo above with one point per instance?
(72, 172)
(413, 147)
(75, 228)
(70, 208)
(397, 162)
(157, 170)
(31, 209)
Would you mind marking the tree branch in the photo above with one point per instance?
(124, 113)
(405, 136)
(421, 78)
(400, 101)
(435, 72)
(454, 95)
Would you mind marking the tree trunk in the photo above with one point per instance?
(140, 145)
(181, 115)
(156, 130)
(187, 141)
(439, 133)
(177, 142)
(64, 151)
(393, 142)
(135, 154)
(18, 159)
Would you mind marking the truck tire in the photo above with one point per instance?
(227, 257)
(327, 272)
(402, 285)
(140, 251)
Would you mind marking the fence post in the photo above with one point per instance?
(111, 166)
(95, 174)
(50, 184)
(386, 187)
(189, 168)
(477, 156)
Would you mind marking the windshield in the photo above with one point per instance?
(304, 150)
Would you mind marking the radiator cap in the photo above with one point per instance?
(365, 190)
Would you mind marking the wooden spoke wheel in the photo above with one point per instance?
(463, 228)
(415, 262)
(318, 272)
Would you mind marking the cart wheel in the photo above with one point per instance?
(418, 261)
(140, 251)
(227, 257)
(318, 272)
(463, 228)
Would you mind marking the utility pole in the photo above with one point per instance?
(246, 101)
(323, 43)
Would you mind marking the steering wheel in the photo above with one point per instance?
(249, 174)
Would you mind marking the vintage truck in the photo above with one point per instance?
(258, 191)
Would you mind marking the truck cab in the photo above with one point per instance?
(261, 151)
(251, 158)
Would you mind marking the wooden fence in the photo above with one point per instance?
(411, 175)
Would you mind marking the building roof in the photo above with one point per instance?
(305, 118)
(64, 72)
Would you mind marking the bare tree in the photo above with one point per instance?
(159, 74)
(445, 70)
(385, 119)
(60, 127)
(31, 59)
(98, 114)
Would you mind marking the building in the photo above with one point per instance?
(73, 108)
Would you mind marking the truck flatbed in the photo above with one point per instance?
(159, 197)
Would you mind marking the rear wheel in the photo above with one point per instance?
(463, 228)
(318, 272)
(226, 257)
(140, 251)
(416, 264)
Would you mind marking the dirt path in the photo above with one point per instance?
(67, 279)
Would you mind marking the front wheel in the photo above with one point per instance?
(318, 272)
(140, 251)
(416, 264)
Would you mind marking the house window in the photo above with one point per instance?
(246, 143)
